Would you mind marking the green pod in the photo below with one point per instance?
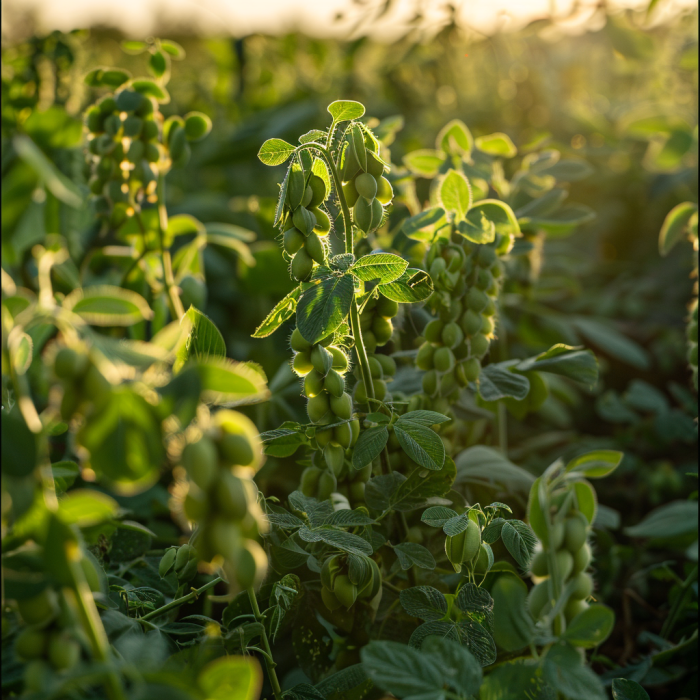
(330, 570)
(293, 241)
(452, 335)
(375, 167)
(201, 462)
(230, 496)
(443, 359)
(314, 248)
(329, 599)
(63, 651)
(184, 554)
(433, 331)
(302, 266)
(167, 561)
(479, 345)
(340, 359)
(366, 186)
(583, 586)
(350, 192)
(345, 590)
(537, 599)
(582, 559)
(539, 566)
(385, 193)
(362, 214)
(317, 407)
(301, 363)
(323, 223)
(476, 300)
(30, 644)
(313, 384)
(236, 449)
(349, 164)
(382, 329)
(388, 365)
(334, 456)
(424, 359)
(308, 196)
(304, 220)
(318, 189)
(40, 609)
(342, 434)
(342, 406)
(334, 384)
(565, 563)
(309, 480)
(327, 484)
(295, 187)
(430, 382)
(471, 323)
(298, 342)
(321, 359)
(575, 531)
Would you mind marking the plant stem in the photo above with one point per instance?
(678, 604)
(91, 621)
(269, 661)
(176, 303)
(181, 601)
(502, 416)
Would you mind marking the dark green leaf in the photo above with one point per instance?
(414, 285)
(411, 553)
(572, 362)
(420, 443)
(369, 446)
(284, 310)
(624, 689)
(498, 382)
(324, 306)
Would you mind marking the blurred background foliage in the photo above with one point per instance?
(622, 96)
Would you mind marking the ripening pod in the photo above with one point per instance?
(314, 248)
(387, 307)
(366, 186)
(329, 599)
(382, 329)
(323, 223)
(239, 443)
(355, 430)
(342, 434)
(313, 384)
(295, 186)
(308, 195)
(345, 590)
(350, 192)
(479, 345)
(349, 164)
(304, 220)
(334, 455)
(464, 546)
(375, 168)
(388, 365)
(424, 359)
(319, 192)
(444, 359)
(362, 214)
(575, 531)
(201, 462)
(302, 266)
(321, 359)
(301, 363)
(538, 599)
(298, 342)
(317, 407)
(327, 484)
(334, 384)
(323, 437)
(385, 193)
(342, 405)
(230, 496)
(250, 566)
(167, 561)
(293, 240)
(309, 480)
(331, 568)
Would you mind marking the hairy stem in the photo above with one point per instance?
(181, 601)
(174, 298)
(269, 661)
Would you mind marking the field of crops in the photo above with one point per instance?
(351, 370)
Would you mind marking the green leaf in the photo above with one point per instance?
(64, 474)
(19, 448)
(411, 553)
(422, 226)
(424, 162)
(612, 342)
(507, 680)
(200, 340)
(565, 672)
(134, 47)
(492, 532)
(477, 228)
(382, 266)
(21, 348)
(111, 77)
(421, 444)
(231, 236)
(623, 688)
(484, 466)
(283, 310)
(381, 490)
(324, 306)
(369, 446)
(572, 362)
(313, 135)
(497, 144)
(104, 305)
(519, 540)
(455, 194)
(498, 213)
(513, 628)
(237, 677)
(351, 683)
(275, 152)
(124, 442)
(86, 507)
(442, 629)
(597, 464)
(197, 126)
(345, 541)
(590, 627)
(675, 226)
(406, 672)
(358, 144)
(568, 170)
(421, 485)
(671, 520)
(157, 64)
(345, 110)
(427, 418)
(437, 516)
(474, 629)
(348, 518)
(56, 182)
(151, 89)
(172, 48)
(282, 442)
(564, 220)
(414, 285)
(497, 381)
(455, 138)
(230, 383)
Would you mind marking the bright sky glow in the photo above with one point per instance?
(140, 18)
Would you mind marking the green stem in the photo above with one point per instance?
(502, 416)
(176, 303)
(347, 225)
(269, 661)
(678, 604)
(181, 601)
(92, 623)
